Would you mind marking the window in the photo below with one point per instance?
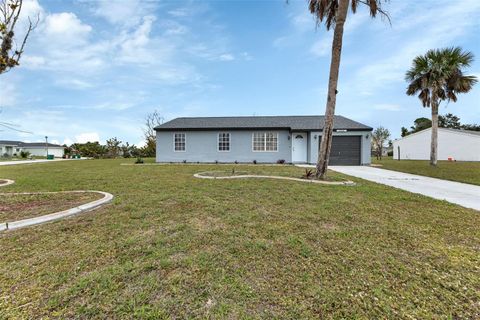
(265, 141)
(223, 142)
(179, 142)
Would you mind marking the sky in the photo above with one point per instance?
(93, 70)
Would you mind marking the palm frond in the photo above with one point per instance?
(326, 10)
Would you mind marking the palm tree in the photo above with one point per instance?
(438, 76)
(334, 14)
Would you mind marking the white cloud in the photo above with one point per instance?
(399, 52)
(246, 56)
(9, 94)
(226, 57)
(67, 141)
(322, 47)
(133, 45)
(65, 29)
(174, 28)
(87, 137)
(127, 13)
(75, 84)
(387, 107)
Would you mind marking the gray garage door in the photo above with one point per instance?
(346, 151)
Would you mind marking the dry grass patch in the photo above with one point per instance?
(22, 206)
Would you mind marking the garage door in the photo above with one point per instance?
(346, 151)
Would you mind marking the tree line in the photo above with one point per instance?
(444, 121)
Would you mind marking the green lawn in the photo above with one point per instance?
(468, 172)
(173, 246)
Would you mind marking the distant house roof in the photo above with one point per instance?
(461, 131)
(29, 144)
(294, 123)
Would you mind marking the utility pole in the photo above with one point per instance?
(46, 145)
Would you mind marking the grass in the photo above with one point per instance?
(461, 171)
(173, 246)
(16, 207)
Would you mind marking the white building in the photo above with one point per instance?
(39, 149)
(460, 145)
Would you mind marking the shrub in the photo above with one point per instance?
(184, 161)
(281, 161)
(309, 174)
(216, 161)
(254, 161)
(236, 162)
(24, 154)
(139, 160)
(390, 153)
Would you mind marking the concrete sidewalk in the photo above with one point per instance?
(466, 195)
(15, 162)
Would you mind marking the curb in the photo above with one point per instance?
(107, 197)
(333, 183)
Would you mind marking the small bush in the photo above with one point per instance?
(309, 174)
(24, 154)
(184, 161)
(390, 153)
(254, 161)
(139, 161)
(236, 162)
(281, 161)
(216, 161)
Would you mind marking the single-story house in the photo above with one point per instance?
(454, 144)
(266, 139)
(13, 148)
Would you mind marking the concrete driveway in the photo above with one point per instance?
(463, 194)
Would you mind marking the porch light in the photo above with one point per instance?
(315, 137)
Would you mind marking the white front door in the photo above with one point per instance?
(299, 147)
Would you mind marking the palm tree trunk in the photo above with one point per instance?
(326, 143)
(434, 141)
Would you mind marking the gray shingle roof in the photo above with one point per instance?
(294, 123)
(27, 144)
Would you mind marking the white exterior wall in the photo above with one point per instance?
(41, 152)
(461, 146)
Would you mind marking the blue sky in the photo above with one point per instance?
(92, 70)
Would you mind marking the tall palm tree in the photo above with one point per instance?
(334, 14)
(438, 76)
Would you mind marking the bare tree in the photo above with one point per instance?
(10, 53)
(151, 121)
(379, 137)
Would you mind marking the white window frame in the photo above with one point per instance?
(229, 141)
(185, 143)
(264, 141)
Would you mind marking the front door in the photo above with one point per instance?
(299, 147)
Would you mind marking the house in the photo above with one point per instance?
(294, 139)
(454, 144)
(13, 148)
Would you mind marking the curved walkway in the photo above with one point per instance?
(335, 183)
(107, 197)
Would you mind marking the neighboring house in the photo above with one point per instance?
(294, 139)
(461, 145)
(13, 148)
